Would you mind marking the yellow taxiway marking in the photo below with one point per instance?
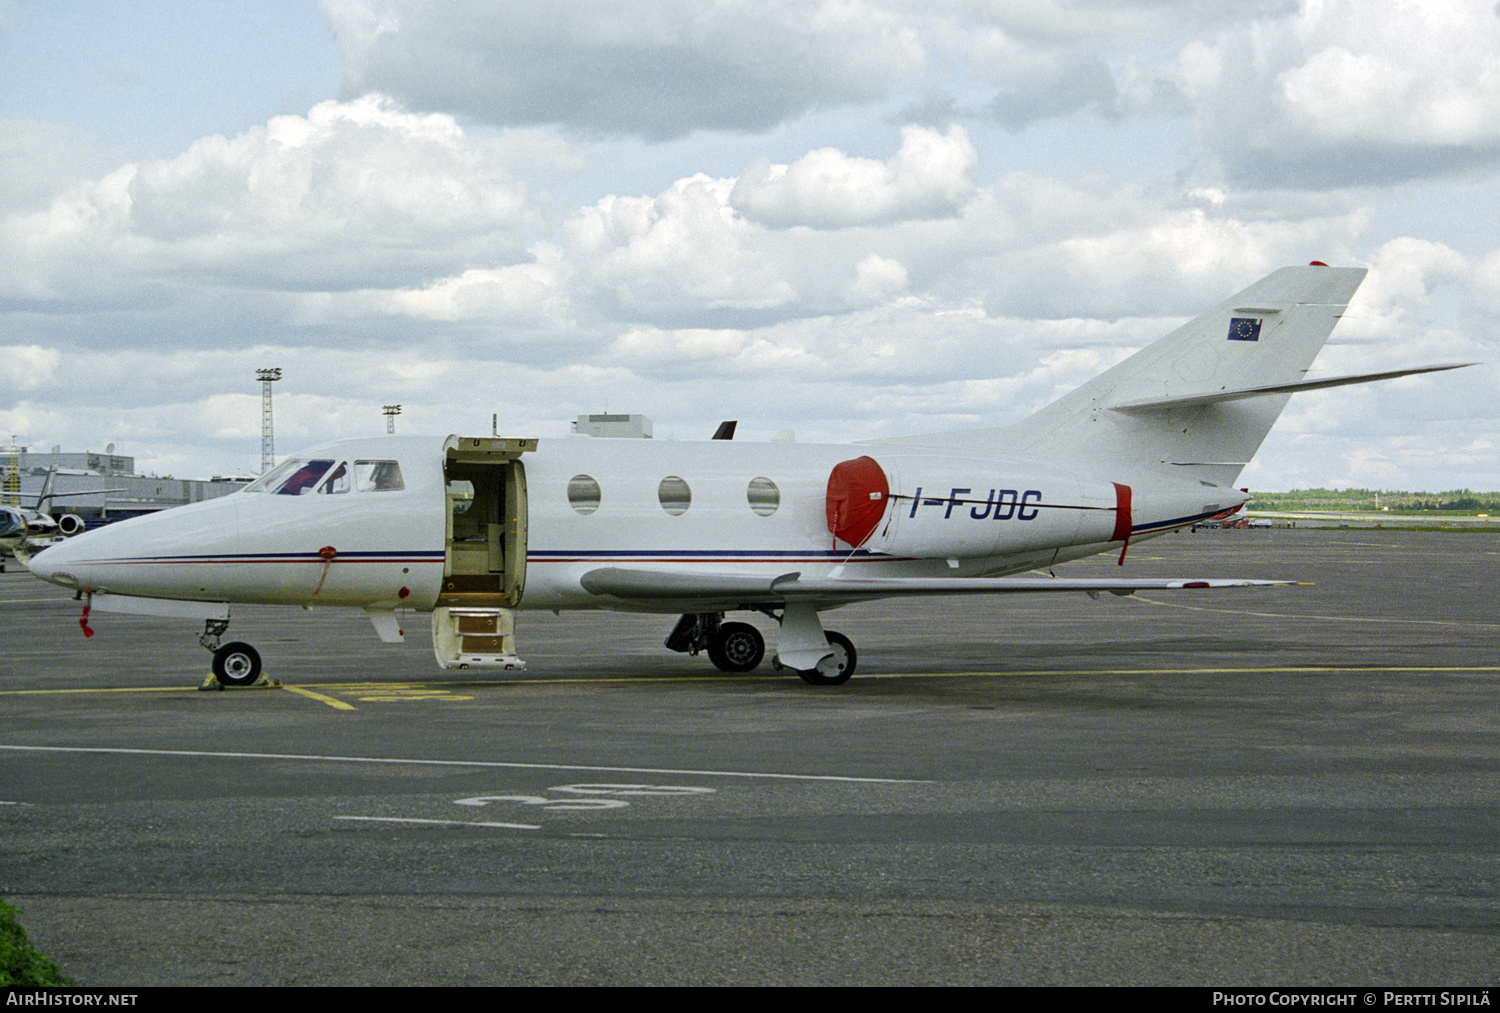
(395, 692)
(330, 701)
(1303, 615)
(97, 689)
(374, 691)
(442, 695)
(378, 693)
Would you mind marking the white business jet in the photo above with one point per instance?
(476, 527)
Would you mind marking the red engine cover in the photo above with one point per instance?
(857, 494)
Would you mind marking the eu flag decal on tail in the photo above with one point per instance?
(1244, 329)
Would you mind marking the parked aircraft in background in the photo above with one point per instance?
(473, 528)
(37, 528)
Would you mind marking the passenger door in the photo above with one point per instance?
(485, 560)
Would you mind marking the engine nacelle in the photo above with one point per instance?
(958, 508)
(70, 524)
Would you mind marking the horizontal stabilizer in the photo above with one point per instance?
(1213, 397)
(714, 589)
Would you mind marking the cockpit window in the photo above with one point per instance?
(300, 475)
(337, 480)
(377, 476)
(275, 475)
(293, 477)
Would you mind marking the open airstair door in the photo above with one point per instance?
(484, 566)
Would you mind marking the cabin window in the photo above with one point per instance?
(378, 476)
(675, 495)
(583, 494)
(764, 496)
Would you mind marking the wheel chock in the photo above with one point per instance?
(211, 682)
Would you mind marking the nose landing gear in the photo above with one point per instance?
(235, 664)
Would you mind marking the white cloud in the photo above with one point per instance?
(1411, 72)
(349, 193)
(685, 249)
(876, 279)
(655, 68)
(1398, 288)
(535, 291)
(1349, 91)
(1096, 246)
(1487, 281)
(27, 367)
(39, 161)
(928, 177)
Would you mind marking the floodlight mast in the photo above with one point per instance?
(390, 412)
(267, 437)
(13, 477)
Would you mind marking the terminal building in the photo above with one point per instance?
(616, 426)
(103, 486)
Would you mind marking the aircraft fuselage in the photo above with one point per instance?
(715, 506)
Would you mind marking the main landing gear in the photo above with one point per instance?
(820, 658)
(732, 647)
(235, 664)
(836, 668)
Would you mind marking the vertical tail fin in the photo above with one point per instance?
(1267, 335)
(44, 498)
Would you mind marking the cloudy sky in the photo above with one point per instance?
(851, 219)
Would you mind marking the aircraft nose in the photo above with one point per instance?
(11, 523)
(138, 556)
(51, 564)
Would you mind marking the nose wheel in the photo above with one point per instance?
(236, 664)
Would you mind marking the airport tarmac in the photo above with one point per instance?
(1286, 786)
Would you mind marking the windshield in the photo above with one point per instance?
(299, 476)
(293, 477)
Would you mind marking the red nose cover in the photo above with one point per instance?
(857, 491)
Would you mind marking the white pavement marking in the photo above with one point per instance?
(445, 823)
(121, 751)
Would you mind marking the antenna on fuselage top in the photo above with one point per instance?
(725, 430)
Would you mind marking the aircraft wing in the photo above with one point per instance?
(721, 592)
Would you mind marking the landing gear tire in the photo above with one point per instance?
(834, 671)
(737, 647)
(237, 664)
